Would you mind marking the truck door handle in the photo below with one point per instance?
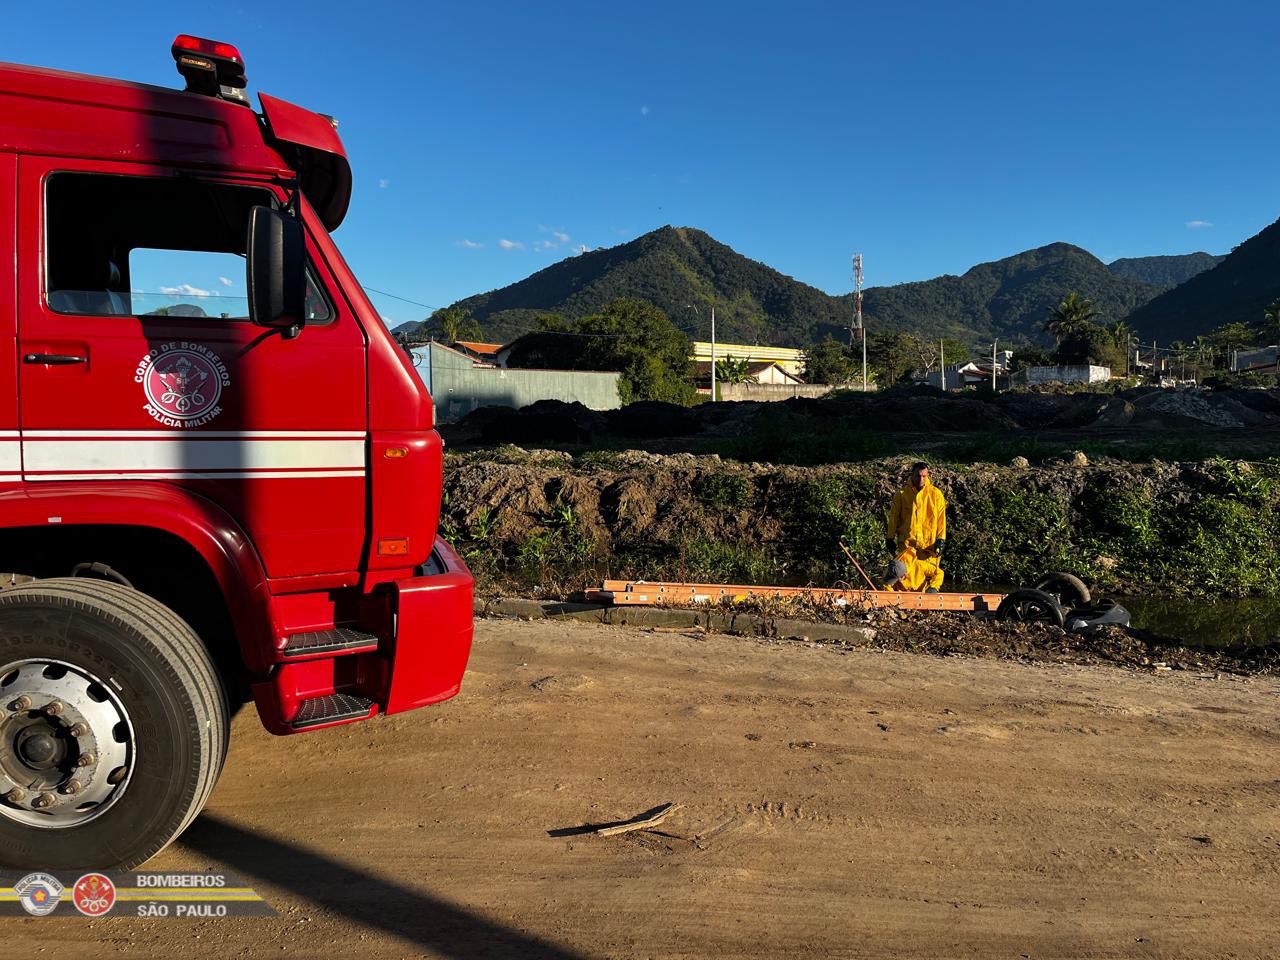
(54, 359)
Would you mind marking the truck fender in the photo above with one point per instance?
(204, 526)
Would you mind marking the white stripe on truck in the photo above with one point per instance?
(141, 455)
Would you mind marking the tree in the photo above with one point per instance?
(1069, 317)
(630, 336)
(1029, 355)
(734, 370)
(550, 322)
(892, 356)
(1232, 336)
(1124, 338)
(453, 324)
(1090, 343)
(1270, 327)
(828, 362)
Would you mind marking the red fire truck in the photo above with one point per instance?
(205, 498)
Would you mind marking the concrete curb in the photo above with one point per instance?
(713, 621)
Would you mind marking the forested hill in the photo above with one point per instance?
(1009, 298)
(671, 267)
(1164, 271)
(1237, 290)
(674, 267)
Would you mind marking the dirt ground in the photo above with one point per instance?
(855, 803)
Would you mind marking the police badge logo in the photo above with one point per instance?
(38, 893)
(94, 895)
(183, 383)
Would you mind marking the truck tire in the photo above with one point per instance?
(113, 726)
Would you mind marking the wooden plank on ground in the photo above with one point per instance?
(655, 818)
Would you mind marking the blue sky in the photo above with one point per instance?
(491, 139)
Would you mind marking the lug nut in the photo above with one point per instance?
(54, 709)
(44, 800)
(87, 759)
(22, 703)
(16, 795)
(71, 787)
(79, 729)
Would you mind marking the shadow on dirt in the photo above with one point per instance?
(434, 925)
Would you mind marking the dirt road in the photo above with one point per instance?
(854, 805)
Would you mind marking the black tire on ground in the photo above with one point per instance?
(164, 678)
(1073, 591)
(1030, 606)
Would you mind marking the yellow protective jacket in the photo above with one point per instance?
(918, 518)
(916, 521)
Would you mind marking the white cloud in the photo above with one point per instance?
(383, 183)
(187, 290)
(506, 244)
(226, 281)
(1198, 224)
(644, 111)
(470, 244)
(558, 238)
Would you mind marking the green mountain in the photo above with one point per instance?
(1009, 298)
(1164, 271)
(671, 267)
(1237, 290)
(674, 267)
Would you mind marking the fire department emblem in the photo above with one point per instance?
(183, 383)
(94, 895)
(39, 893)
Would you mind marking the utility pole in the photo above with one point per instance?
(857, 330)
(993, 364)
(713, 353)
(942, 365)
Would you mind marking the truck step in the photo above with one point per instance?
(328, 709)
(339, 639)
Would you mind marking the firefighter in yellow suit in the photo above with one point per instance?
(917, 533)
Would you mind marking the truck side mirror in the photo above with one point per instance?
(276, 270)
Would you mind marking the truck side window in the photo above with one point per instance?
(152, 246)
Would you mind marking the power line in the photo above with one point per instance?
(396, 297)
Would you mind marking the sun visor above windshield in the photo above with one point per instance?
(310, 143)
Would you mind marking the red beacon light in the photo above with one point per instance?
(211, 68)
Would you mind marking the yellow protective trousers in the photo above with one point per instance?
(916, 521)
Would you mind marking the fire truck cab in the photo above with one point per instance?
(219, 475)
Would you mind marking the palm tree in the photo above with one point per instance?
(1178, 351)
(454, 324)
(1123, 337)
(1271, 321)
(1070, 316)
(1204, 355)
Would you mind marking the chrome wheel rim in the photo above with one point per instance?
(66, 744)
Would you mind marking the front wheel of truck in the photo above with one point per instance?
(113, 725)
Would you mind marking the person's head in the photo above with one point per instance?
(919, 474)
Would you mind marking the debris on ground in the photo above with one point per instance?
(643, 822)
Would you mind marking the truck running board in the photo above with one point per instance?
(332, 708)
(337, 640)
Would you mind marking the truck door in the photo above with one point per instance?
(10, 449)
(138, 365)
